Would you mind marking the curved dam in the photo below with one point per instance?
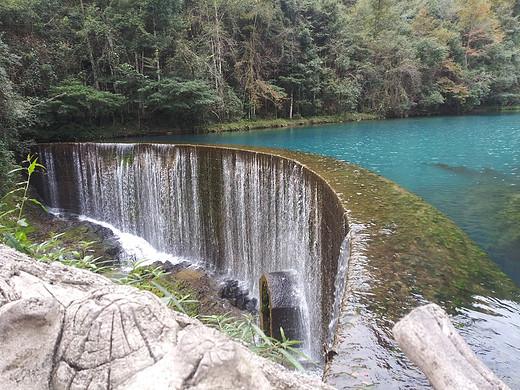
(242, 214)
(366, 250)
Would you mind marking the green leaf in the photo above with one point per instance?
(21, 236)
(282, 333)
(22, 222)
(38, 203)
(14, 191)
(169, 296)
(292, 360)
(7, 213)
(15, 170)
(261, 333)
(32, 165)
(11, 241)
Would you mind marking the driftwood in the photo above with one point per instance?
(430, 340)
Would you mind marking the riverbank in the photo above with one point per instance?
(147, 129)
(150, 129)
(245, 125)
(135, 129)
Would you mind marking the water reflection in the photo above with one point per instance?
(494, 197)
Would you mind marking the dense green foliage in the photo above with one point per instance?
(13, 224)
(67, 67)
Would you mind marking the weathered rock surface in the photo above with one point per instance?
(430, 340)
(66, 328)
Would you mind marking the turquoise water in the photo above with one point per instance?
(466, 166)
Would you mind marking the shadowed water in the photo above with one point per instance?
(467, 166)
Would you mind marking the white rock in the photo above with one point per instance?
(67, 328)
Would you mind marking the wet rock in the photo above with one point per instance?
(238, 297)
(62, 328)
(104, 244)
(103, 232)
(112, 247)
(251, 306)
(168, 266)
(108, 240)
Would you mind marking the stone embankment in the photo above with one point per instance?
(64, 328)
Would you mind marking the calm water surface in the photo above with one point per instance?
(466, 166)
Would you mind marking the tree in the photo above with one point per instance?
(479, 27)
(186, 102)
(15, 114)
(72, 104)
(8, 107)
(208, 24)
(253, 58)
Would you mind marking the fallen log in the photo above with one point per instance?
(429, 339)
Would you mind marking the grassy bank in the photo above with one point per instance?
(281, 122)
(136, 130)
(144, 129)
(496, 109)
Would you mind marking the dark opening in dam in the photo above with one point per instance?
(240, 213)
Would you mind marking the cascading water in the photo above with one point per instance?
(339, 287)
(238, 212)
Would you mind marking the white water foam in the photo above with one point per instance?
(134, 248)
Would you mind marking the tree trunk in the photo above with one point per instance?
(217, 54)
(157, 62)
(93, 64)
(430, 340)
(291, 106)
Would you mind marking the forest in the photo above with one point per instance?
(69, 67)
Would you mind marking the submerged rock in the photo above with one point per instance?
(62, 327)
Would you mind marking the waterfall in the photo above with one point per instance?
(340, 282)
(241, 213)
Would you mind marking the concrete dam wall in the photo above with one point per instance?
(238, 212)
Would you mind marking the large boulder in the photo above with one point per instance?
(67, 328)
